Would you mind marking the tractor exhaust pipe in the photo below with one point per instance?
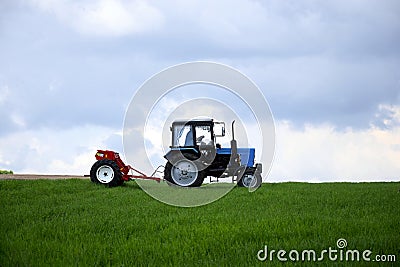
(233, 130)
(234, 153)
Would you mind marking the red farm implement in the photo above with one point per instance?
(109, 169)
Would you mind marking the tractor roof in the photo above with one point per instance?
(194, 121)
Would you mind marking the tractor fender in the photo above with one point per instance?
(259, 168)
(178, 152)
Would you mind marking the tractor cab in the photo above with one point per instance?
(196, 133)
(195, 137)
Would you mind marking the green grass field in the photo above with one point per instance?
(75, 222)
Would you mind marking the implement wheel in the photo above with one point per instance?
(106, 172)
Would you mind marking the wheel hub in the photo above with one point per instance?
(248, 180)
(105, 174)
(184, 173)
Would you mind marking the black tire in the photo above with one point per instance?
(106, 172)
(250, 179)
(184, 178)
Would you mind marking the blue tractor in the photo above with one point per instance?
(195, 155)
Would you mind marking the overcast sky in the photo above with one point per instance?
(330, 71)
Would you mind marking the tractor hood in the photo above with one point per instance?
(246, 154)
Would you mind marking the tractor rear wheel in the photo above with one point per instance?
(184, 172)
(250, 179)
(106, 172)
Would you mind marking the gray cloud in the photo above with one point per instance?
(318, 90)
(334, 61)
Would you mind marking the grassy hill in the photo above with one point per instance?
(74, 222)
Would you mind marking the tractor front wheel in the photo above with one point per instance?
(106, 172)
(250, 179)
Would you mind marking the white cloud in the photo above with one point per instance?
(320, 153)
(104, 17)
(48, 151)
(387, 116)
(18, 120)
